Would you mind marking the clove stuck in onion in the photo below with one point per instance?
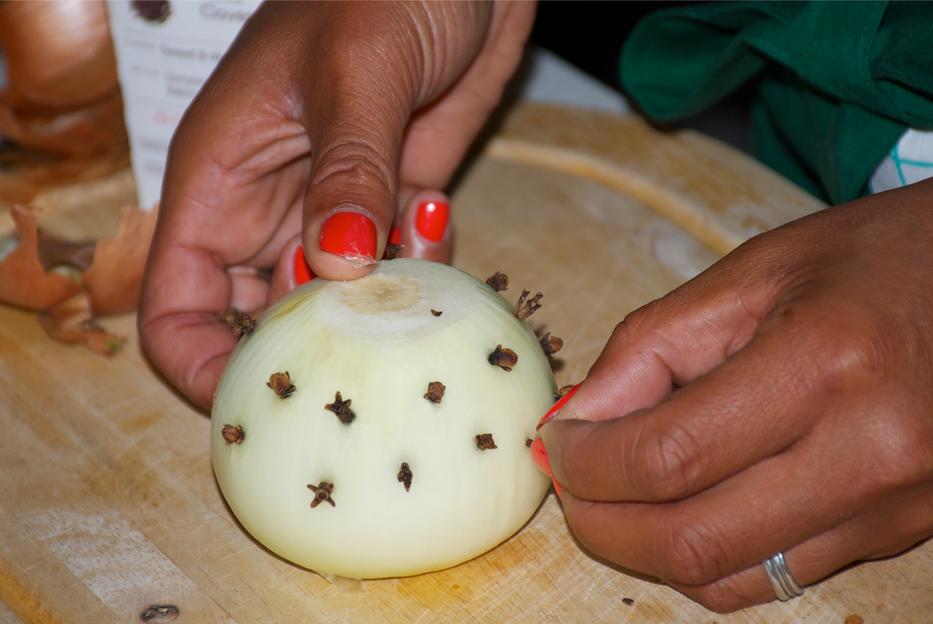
(358, 472)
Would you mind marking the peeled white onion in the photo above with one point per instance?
(379, 341)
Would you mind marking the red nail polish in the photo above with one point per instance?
(539, 457)
(431, 219)
(395, 236)
(551, 413)
(300, 267)
(349, 234)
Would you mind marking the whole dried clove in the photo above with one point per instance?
(155, 11)
(392, 251)
(435, 392)
(498, 281)
(562, 391)
(322, 494)
(504, 358)
(342, 409)
(233, 434)
(159, 614)
(404, 475)
(551, 344)
(528, 442)
(281, 384)
(484, 442)
(526, 307)
(241, 323)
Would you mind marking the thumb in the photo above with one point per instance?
(355, 111)
(350, 201)
(375, 64)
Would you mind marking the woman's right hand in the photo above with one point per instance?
(360, 110)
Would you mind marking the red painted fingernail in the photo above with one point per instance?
(300, 267)
(551, 413)
(349, 234)
(395, 236)
(539, 457)
(558, 489)
(431, 219)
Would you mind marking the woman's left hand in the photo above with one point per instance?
(782, 401)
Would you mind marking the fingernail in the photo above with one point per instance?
(431, 219)
(551, 413)
(395, 236)
(349, 234)
(558, 489)
(539, 457)
(300, 267)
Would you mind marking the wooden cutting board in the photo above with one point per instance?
(108, 504)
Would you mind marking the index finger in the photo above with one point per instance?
(720, 424)
(624, 435)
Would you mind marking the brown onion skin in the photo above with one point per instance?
(59, 54)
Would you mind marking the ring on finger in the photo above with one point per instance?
(782, 582)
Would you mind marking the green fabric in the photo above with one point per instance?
(837, 83)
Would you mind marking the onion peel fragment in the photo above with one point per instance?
(115, 276)
(72, 322)
(109, 283)
(24, 281)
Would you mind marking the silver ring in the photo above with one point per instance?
(783, 584)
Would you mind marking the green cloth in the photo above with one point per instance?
(836, 83)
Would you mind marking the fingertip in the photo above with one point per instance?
(431, 218)
(426, 227)
(567, 441)
(344, 246)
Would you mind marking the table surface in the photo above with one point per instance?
(107, 500)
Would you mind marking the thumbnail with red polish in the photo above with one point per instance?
(431, 219)
(301, 268)
(349, 234)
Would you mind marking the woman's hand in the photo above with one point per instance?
(324, 124)
(781, 401)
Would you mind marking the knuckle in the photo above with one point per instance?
(664, 462)
(911, 525)
(639, 318)
(693, 554)
(850, 352)
(904, 458)
(354, 162)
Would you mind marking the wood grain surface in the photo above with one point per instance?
(107, 500)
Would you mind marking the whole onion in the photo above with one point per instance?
(379, 427)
